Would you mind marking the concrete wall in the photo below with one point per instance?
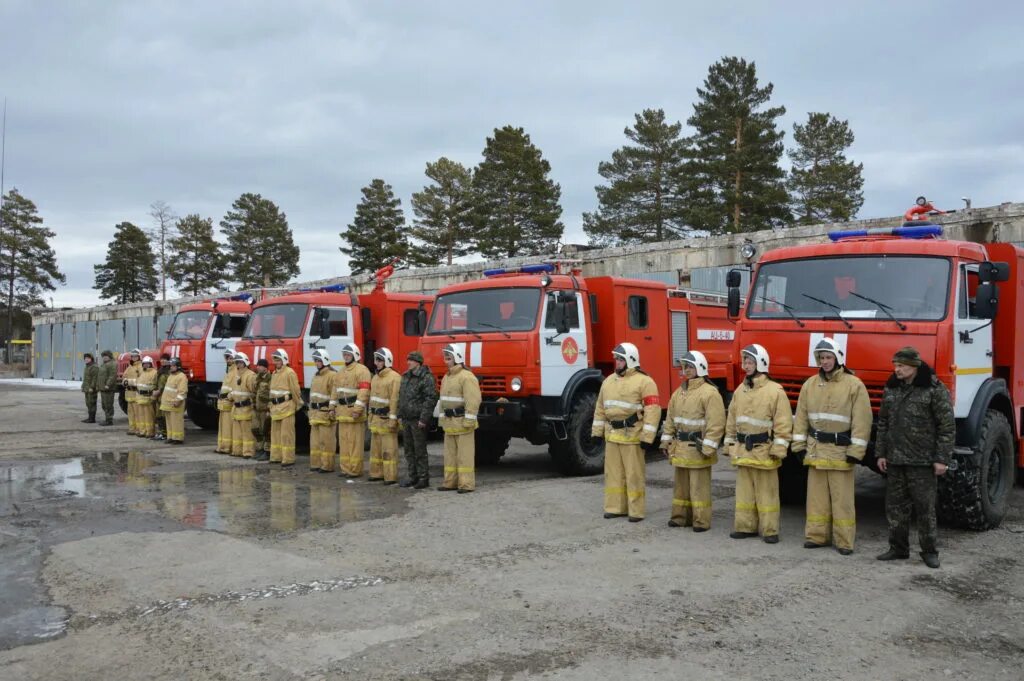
(698, 263)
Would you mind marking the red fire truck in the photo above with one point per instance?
(199, 335)
(539, 339)
(959, 303)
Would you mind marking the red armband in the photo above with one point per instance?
(363, 386)
(651, 401)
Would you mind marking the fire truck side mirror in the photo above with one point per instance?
(421, 321)
(986, 301)
(733, 279)
(734, 302)
(994, 271)
(321, 322)
(225, 325)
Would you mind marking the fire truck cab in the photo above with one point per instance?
(875, 291)
(539, 340)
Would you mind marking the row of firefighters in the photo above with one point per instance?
(257, 411)
(830, 430)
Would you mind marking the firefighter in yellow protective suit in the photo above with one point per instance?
(285, 401)
(243, 392)
(172, 403)
(628, 412)
(225, 426)
(694, 426)
(351, 395)
(145, 386)
(757, 433)
(457, 410)
(833, 425)
(322, 442)
(384, 418)
(128, 380)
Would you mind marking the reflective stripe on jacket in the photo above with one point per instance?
(353, 381)
(384, 394)
(832, 404)
(696, 407)
(459, 390)
(759, 406)
(633, 394)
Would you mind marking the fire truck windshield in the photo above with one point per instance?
(277, 321)
(189, 325)
(853, 287)
(488, 310)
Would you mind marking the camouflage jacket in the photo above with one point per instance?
(915, 424)
(108, 376)
(263, 391)
(91, 378)
(417, 395)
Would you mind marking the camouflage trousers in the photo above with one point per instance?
(414, 440)
(261, 430)
(107, 399)
(911, 489)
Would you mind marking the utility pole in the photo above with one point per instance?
(3, 162)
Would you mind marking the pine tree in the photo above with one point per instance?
(263, 251)
(129, 273)
(737, 147)
(516, 209)
(28, 265)
(160, 235)
(444, 213)
(378, 233)
(647, 197)
(196, 262)
(824, 186)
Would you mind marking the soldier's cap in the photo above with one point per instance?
(416, 356)
(107, 353)
(87, 354)
(908, 356)
(262, 363)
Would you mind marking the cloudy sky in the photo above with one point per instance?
(113, 105)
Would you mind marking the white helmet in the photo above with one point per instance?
(323, 356)
(455, 353)
(351, 349)
(697, 360)
(147, 360)
(242, 357)
(384, 355)
(827, 344)
(281, 355)
(759, 355)
(136, 353)
(229, 354)
(628, 353)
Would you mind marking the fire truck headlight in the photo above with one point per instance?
(190, 375)
(516, 384)
(748, 250)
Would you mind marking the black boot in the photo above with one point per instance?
(108, 422)
(742, 535)
(90, 419)
(422, 483)
(408, 483)
(931, 560)
(893, 554)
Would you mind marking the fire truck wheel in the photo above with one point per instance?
(202, 415)
(974, 496)
(792, 481)
(490, 447)
(580, 454)
(122, 401)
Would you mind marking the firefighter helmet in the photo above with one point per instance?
(229, 354)
(628, 353)
(455, 353)
(147, 360)
(384, 355)
(280, 354)
(827, 344)
(136, 353)
(759, 355)
(322, 356)
(175, 362)
(695, 359)
(351, 349)
(242, 357)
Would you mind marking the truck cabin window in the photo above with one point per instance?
(860, 287)
(277, 321)
(337, 322)
(235, 328)
(189, 325)
(493, 310)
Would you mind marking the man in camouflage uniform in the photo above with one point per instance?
(261, 418)
(914, 444)
(107, 385)
(90, 386)
(417, 396)
(161, 382)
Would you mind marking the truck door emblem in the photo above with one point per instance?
(570, 351)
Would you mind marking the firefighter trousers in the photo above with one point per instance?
(282, 440)
(757, 500)
(351, 437)
(831, 517)
(175, 421)
(90, 403)
(131, 413)
(691, 499)
(460, 461)
(322, 445)
(242, 443)
(145, 423)
(225, 430)
(625, 479)
(384, 456)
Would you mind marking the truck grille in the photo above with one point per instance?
(489, 385)
(792, 388)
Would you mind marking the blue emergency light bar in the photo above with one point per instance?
(243, 297)
(911, 232)
(524, 269)
(334, 288)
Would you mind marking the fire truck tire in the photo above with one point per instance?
(490, 447)
(974, 497)
(580, 454)
(122, 401)
(201, 415)
(793, 481)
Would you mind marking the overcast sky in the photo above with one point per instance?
(113, 105)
